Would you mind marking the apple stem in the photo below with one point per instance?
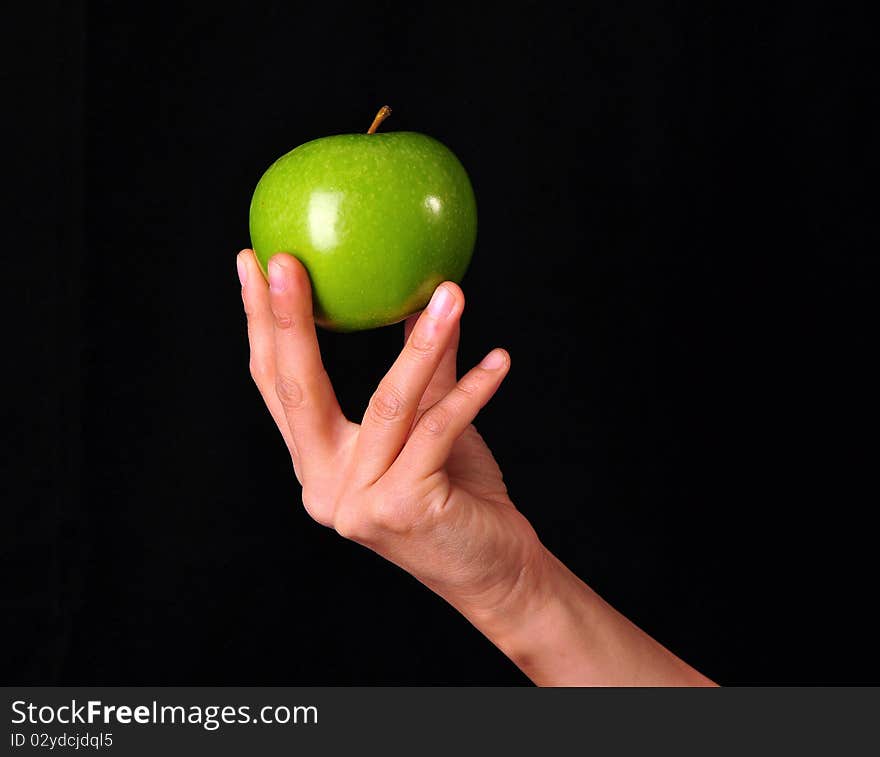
(383, 113)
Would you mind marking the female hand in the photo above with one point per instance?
(414, 481)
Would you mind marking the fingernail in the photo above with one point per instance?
(277, 279)
(242, 269)
(494, 360)
(441, 303)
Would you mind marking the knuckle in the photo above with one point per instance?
(386, 404)
(372, 522)
(393, 515)
(314, 505)
(469, 387)
(249, 309)
(289, 392)
(349, 524)
(436, 421)
(282, 320)
(310, 500)
(259, 369)
(421, 346)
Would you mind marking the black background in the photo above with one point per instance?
(676, 244)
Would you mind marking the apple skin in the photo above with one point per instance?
(378, 221)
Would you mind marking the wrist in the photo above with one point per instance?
(538, 609)
(545, 624)
(559, 632)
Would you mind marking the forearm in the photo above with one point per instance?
(559, 632)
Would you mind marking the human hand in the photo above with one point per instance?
(414, 481)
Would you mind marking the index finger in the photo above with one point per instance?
(301, 383)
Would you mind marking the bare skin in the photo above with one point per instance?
(416, 483)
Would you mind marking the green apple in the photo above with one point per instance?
(378, 221)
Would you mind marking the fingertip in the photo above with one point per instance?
(456, 292)
(277, 276)
(446, 302)
(286, 260)
(498, 359)
(249, 264)
(242, 267)
(287, 272)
